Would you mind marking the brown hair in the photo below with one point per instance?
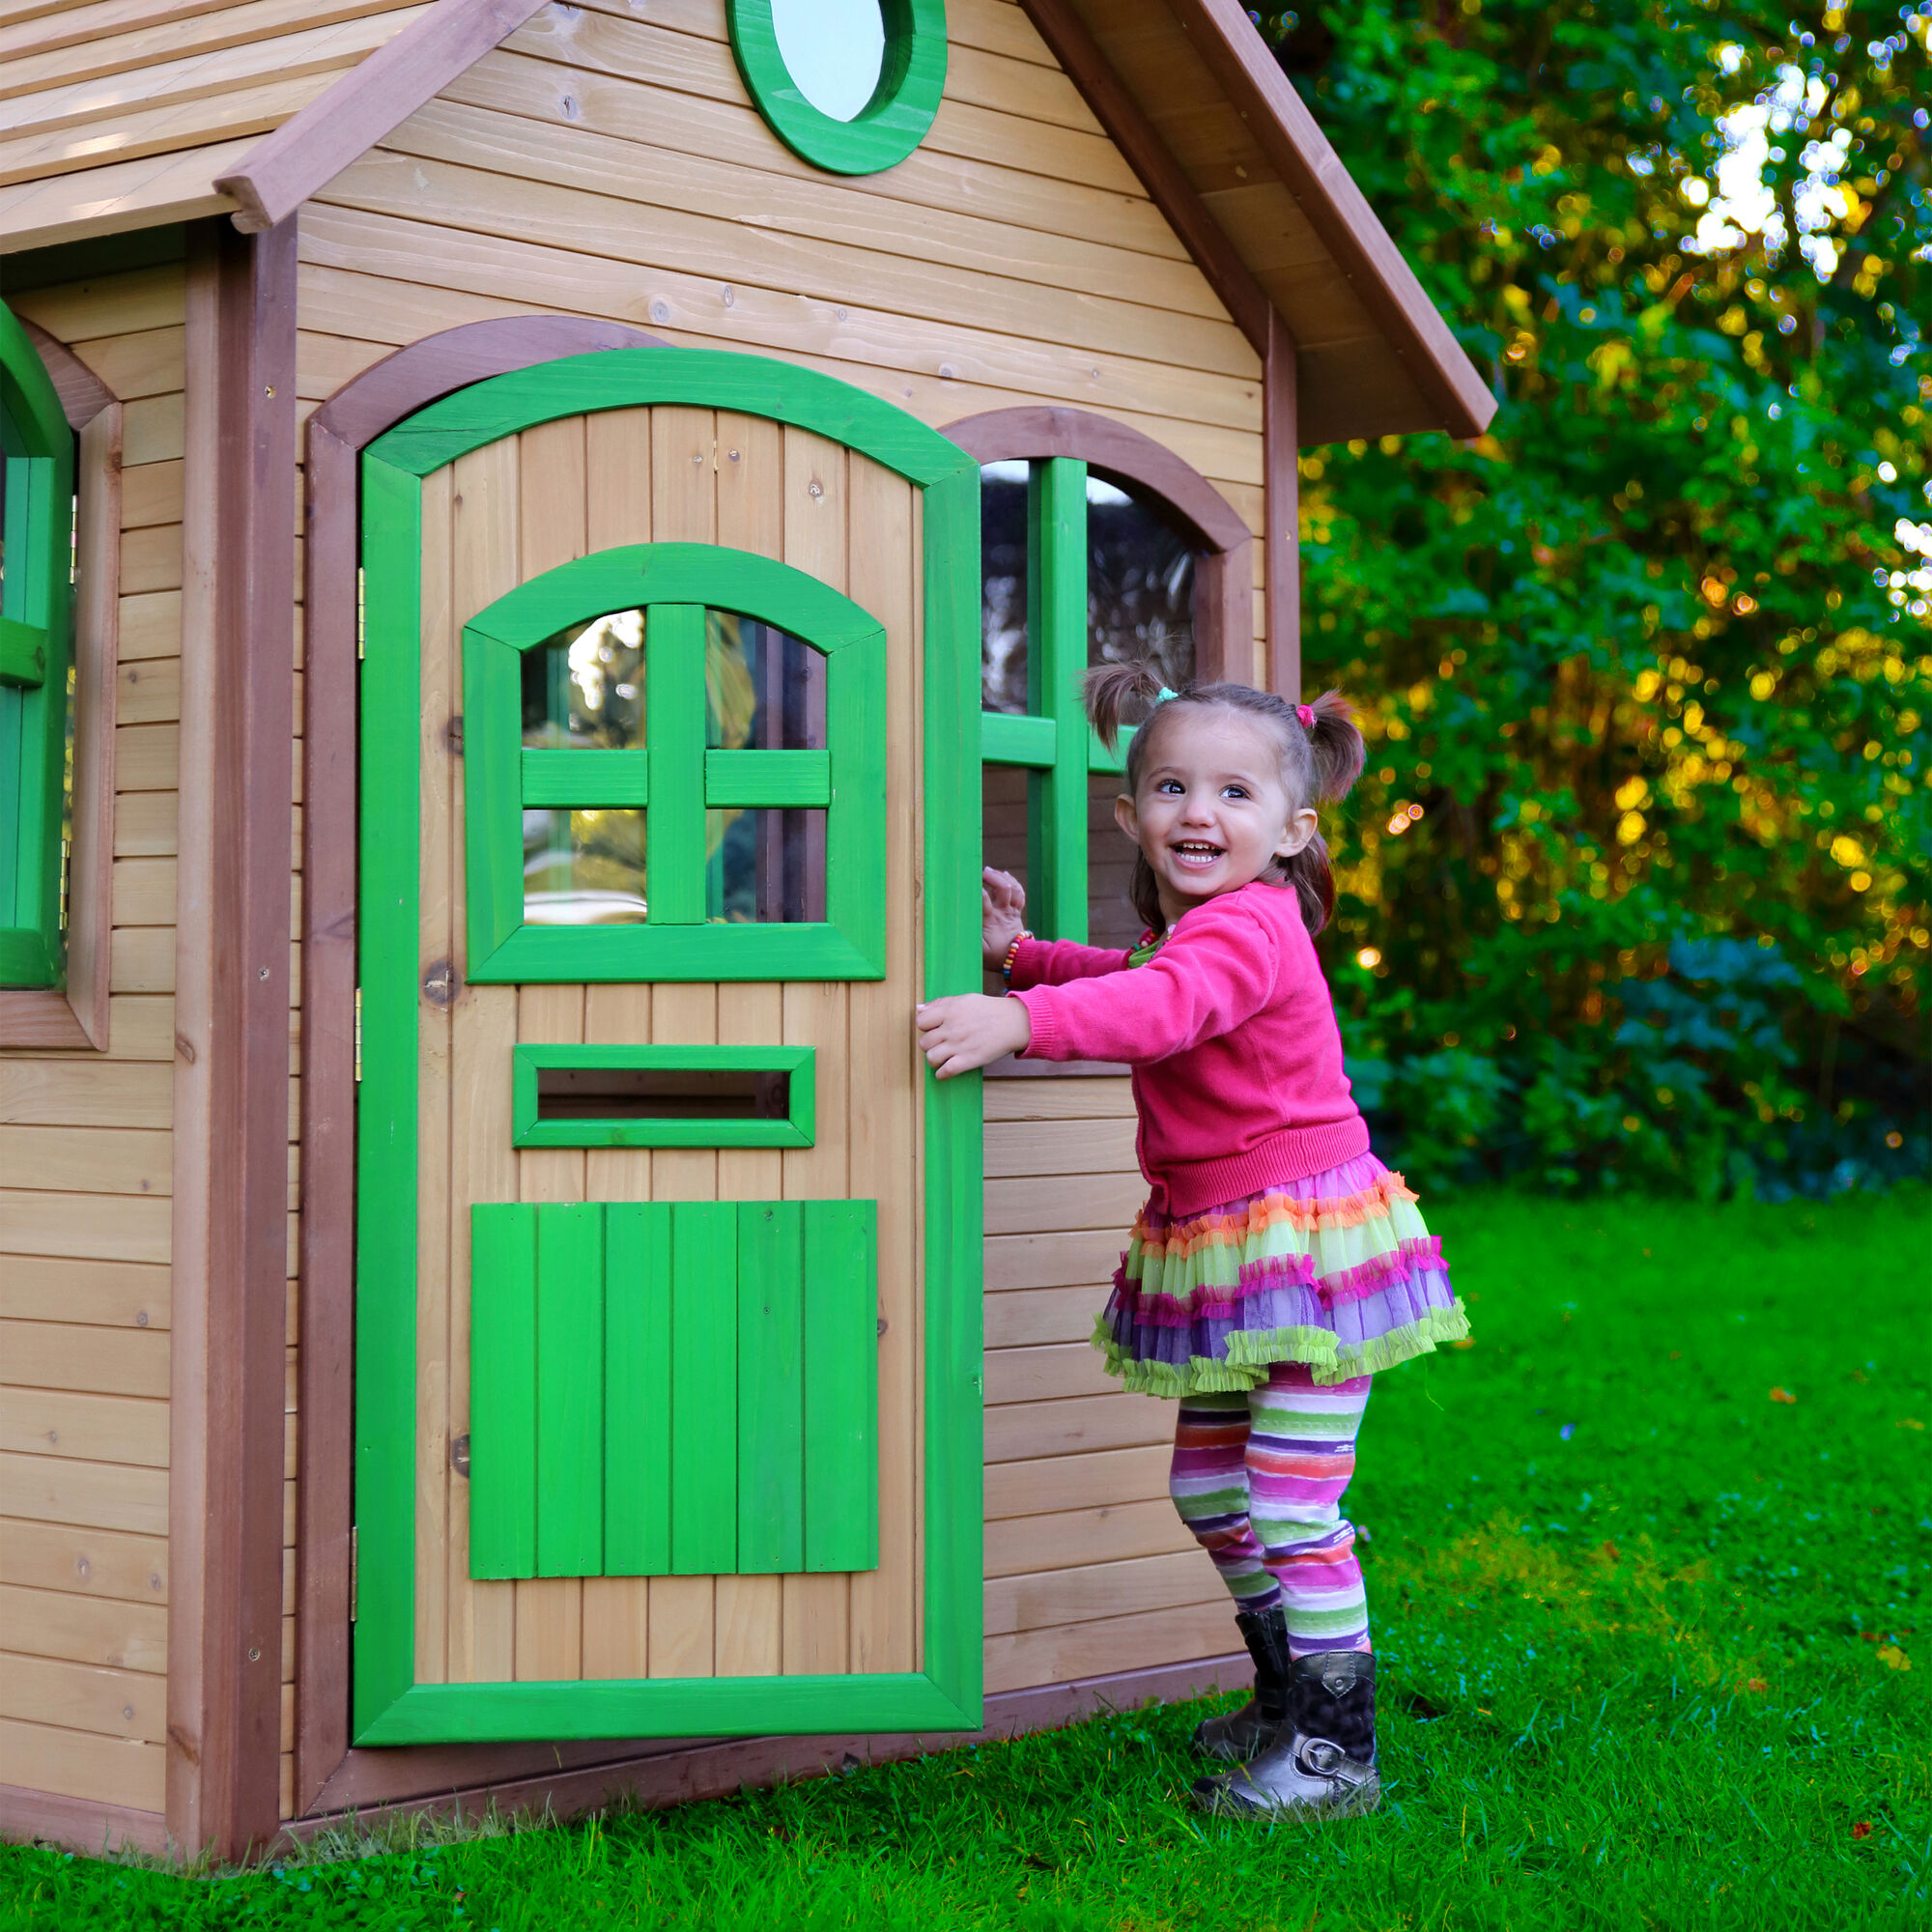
(1319, 761)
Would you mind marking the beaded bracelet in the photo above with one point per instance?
(1013, 953)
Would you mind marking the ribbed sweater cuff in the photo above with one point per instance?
(1194, 1186)
(1045, 1043)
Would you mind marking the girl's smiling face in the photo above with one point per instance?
(1211, 813)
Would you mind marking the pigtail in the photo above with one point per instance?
(1335, 746)
(1108, 688)
(1336, 756)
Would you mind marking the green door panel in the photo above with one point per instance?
(673, 1388)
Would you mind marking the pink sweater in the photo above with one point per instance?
(1230, 1027)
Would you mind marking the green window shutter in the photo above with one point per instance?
(673, 1388)
(503, 1391)
(570, 1390)
(35, 652)
(771, 1386)
(636, 1388)
(841, 1385)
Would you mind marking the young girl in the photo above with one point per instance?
(1277, 1263)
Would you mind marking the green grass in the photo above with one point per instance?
(1658, 1672)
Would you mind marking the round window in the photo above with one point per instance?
(852, 85)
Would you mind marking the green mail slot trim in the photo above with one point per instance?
(673, 1388)
(732, 1113)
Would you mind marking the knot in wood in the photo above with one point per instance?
(439, 984)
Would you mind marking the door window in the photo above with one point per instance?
(689, 785)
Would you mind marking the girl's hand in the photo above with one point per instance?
(1003, 901)
(968, 1030)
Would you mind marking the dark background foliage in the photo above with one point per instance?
(1634, 892)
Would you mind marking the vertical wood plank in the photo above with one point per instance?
(570, 1390)
(439, 773)
(884, 1110)
(502, 1427)
(750, 1608)
(617, 1608)
(841, 1389)
(683, 1610)
(817, 1609)
(771, 1402)
(549, 1641)
(638, 1394)
(483, 1029)
(704, 1385)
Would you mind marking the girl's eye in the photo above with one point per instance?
(1168, 785)
(1236, 791)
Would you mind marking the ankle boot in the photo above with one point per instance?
(1249, 1731)
(1322, 1761)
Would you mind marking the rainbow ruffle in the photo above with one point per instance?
(1336, 1271)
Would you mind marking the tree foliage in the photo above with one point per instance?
(1636, 890)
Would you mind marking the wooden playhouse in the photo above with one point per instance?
(564, 539)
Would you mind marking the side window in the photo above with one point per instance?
(36, 662)
(675, 770)
(1078, 569)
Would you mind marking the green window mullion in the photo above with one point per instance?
(1055, 658)
(1007, 740)
(855, 854)
(748, 779)
(601, 779)
(675, 731)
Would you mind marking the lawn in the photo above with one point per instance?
(1647, 1569)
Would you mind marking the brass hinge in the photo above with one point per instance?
(359, 614)
(63, 917)
(359, 1035)
(354, 1566)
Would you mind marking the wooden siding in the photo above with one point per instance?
(1088, 1568)
(88, 1160)
(1012, 259)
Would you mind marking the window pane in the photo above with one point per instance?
(764, 690)
(1003, 587)
(585, 685)
(1140, 582)
(767, 865)
(583, 867)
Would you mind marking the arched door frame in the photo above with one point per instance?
(1224, 576)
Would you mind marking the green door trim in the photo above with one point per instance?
(389, 1706)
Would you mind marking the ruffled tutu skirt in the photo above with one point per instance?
(1335, 1271)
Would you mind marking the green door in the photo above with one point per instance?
(667, 1352)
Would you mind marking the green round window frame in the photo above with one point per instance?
(912, 78)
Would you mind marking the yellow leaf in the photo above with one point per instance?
(1906, 1421)
(1896, 1658)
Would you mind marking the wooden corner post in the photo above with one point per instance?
(232, 1042)
(1282, 464)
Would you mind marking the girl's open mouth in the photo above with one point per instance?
(1195, 853)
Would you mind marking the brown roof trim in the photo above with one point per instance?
(352, 417)
(1167, 184)
(1299, 151)
(313, 146)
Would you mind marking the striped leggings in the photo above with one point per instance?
(1258, 1477)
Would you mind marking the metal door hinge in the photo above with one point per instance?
(355, 1568)
(359, 651)
(358, 1035)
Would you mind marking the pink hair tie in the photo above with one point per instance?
(1306, 713)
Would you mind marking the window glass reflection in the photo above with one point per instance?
(583, 867)
(766, 865)
(1139, 584)
(1003, 587)
(584, 689)
(764, 690)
